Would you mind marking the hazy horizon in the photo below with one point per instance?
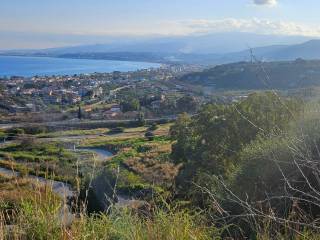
(34, 25)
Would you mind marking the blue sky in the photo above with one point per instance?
(155, 17)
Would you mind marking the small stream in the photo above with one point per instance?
(8, 172)
(100, 153)
(63, 190)
(60, 188)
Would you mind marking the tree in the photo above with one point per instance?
(149, 135)
(211, 141)
(140, 119)
(130, 105)
(182, 132)
(153, 127)
(80, 113)
(187, 104)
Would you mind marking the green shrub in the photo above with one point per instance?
(15, 131)
(33, 130)
(143, 148)
(149, 135)
(153, 127)
(259, 172)
(116, 130)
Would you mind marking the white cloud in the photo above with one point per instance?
(265, 2)
(262, 26)
(186, 27)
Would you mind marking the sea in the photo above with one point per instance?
(48, 66)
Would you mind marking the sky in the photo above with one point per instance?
(54, 23)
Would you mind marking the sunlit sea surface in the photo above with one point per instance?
(46, 66)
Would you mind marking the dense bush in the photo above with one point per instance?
(141, 119)
(211, 141)
(116, 130)
(281, 165)
(15, 131)
(275, 183)
(33, 130)
(187, 104)
(149, 135)
(130, 105)
(153, 127)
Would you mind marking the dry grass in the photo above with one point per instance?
(150, 165)
(129, 133)
(35, 214)
(153, 171)
(163, 129)
(69, 133)
(15, 189)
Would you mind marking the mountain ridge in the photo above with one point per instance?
(281, 75)
(191, 49)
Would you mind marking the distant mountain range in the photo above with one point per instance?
(217, 43)
(308, 50)
(205, 49)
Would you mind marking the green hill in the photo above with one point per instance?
(267, 75)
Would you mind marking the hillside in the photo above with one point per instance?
(308, 50)
(200, 49)
(267, 75)
(214, 43)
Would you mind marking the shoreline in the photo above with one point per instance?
(78, 69)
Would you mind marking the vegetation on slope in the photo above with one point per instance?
(244, 170)
(37, 215)
(247, 75)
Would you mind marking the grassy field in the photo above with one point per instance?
(144, 164)
(48, 154)
(128, 134)
(33, 212)
(73, 133)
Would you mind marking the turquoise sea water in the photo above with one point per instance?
(31, 66)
